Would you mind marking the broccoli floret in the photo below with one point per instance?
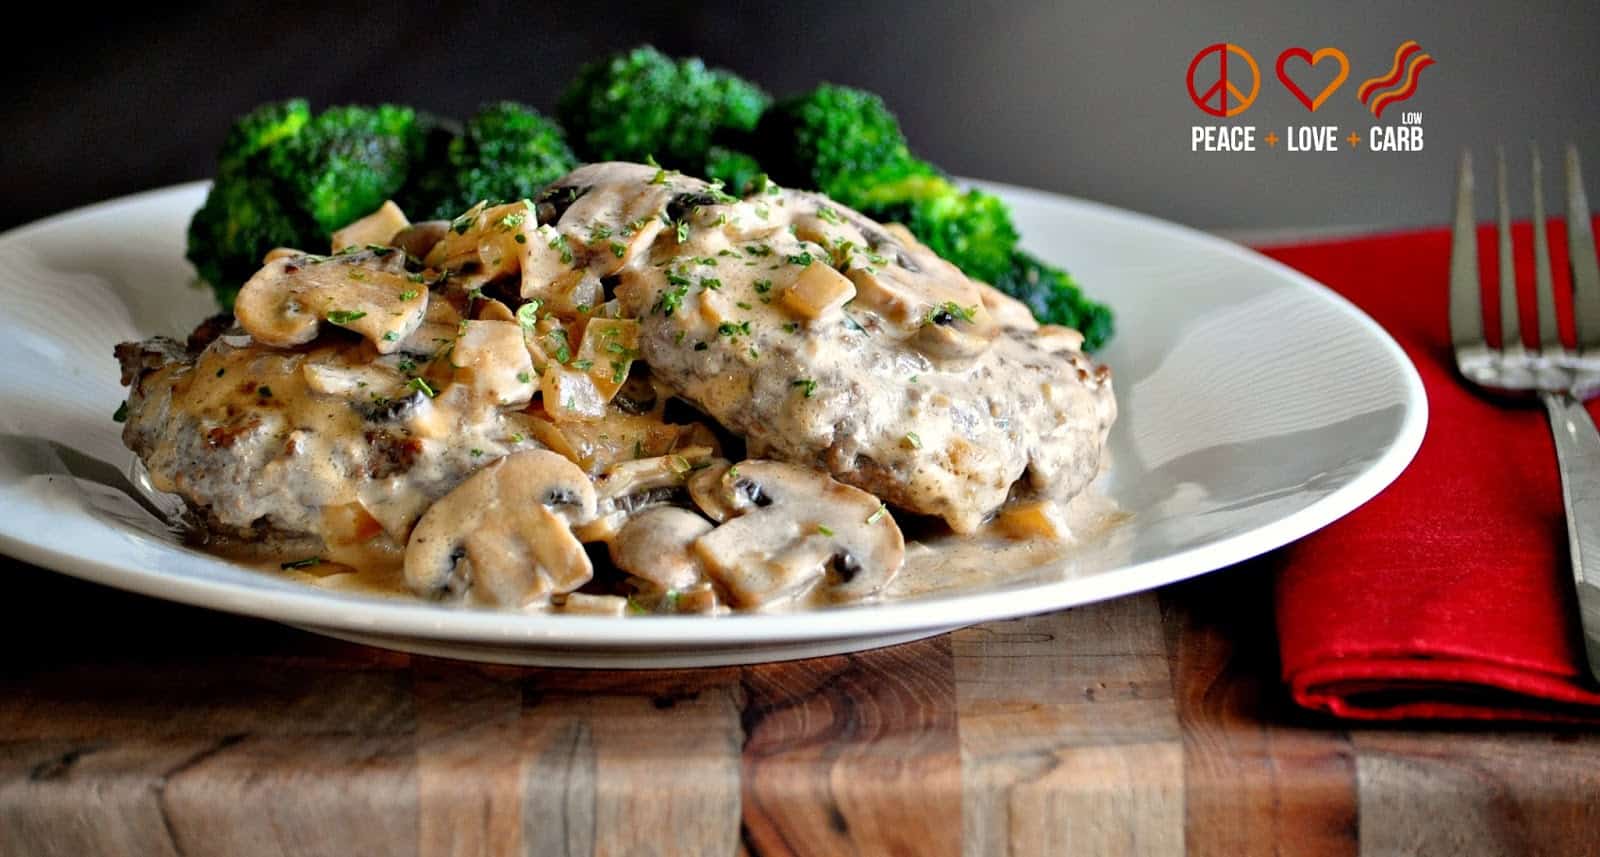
(243, 217)
(736, 170)
(1056, 299)
(508, 152)
(260, 129)
(971, 229)
(345, 162)
(643, 103)
(831, 138)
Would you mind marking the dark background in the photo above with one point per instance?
(1087, 100)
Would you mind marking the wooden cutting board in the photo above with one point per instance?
(1146, 725)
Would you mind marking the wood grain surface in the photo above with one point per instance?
(1146, 725)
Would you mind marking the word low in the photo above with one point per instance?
(1224, 138)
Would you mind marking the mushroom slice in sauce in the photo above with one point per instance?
(628, 487)
(289, 299)
(418, 239)
(505, 534)
(657, 545)
(797, 528)
(378, 228)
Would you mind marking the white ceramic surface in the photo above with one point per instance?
(1256, 407)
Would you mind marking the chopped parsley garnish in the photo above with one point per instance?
(391, 335)
(409, 294)
(763, 286)
(743, 305)
(345, 316)
(598, 231)
(677, 338)
(791, 327)
(806, 385)
(710, 283)
(618, 249)
(510, 222)
(671, 299)
(581, 365)
(875, 517)
(528, 314)
(407, 365)
(912, 440)
(301, 563)
(560, 243)
(762, 250)
(825, 529)
(422, 387)
(705, 260)
(415, 278)
(563, 348)
(121, 415)
(730, 329)
(524, 377)
(828, 215)
(520, 238)
(802, 258)
(681, 227)
(619, 371)
(518, 437)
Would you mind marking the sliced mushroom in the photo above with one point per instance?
(584, 604)
(288, 300)
(419, 239)
(656, 545)
(818, 292)
(714, 497)
(796, 528)
(628, 487)
(362, 381)
(377, 228)
(490, 358)
(570, 394)
(505, 534)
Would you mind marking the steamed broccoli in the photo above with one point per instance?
(244, 216)
(345, 162)
(737, 171)
(1056, 299)
(832, 139)
(260, 129)
(508, 151)
(643, 103)
(971, 229)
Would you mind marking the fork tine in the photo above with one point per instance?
(1466, 303)
(1510, 320)
(1580, 250)
(1549, 333)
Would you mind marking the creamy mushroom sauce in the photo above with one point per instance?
(357, 393)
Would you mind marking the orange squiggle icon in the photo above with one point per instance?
(1408, 61)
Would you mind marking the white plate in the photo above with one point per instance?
(1256, 406)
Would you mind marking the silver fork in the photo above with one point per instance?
(1560, 377)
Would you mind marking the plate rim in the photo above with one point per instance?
(377, 616)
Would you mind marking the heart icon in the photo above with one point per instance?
(1312, 59)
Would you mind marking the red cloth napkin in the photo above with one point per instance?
(1449, 595)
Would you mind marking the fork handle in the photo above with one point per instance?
(1578, 456)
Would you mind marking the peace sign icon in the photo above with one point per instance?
(1215, 99)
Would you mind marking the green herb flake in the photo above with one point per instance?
(121, 415)
(825, 529)
(763, 286)
(409, 294)
(524, 377)
(581, 365)
(803, 258)
(875, 517)
(791, 327)
(710, 283)
(806, 385)
(618, 249)
(670, 300)
(301, 563)
(345, 316)
(912, 440)
(391, 335)
(828, 215)
(422, 387)
(528, 314)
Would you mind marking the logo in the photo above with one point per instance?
(1377, 93)
(1221, 86)
(1216, 86)
(1312, 59)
